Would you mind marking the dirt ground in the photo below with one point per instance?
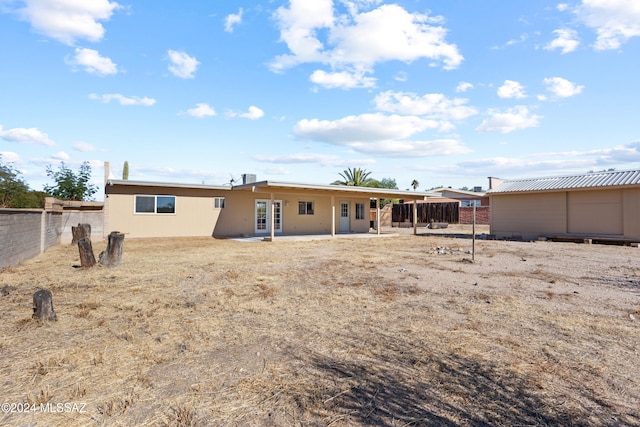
(392, 331)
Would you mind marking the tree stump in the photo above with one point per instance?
(112, 256)
(43, 306)
(80, 232)
(87, 259)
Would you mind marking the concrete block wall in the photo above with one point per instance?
(72, 219)
(483, 215)
(26, 233)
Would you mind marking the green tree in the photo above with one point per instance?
(12, 186)
(125, 171)
(70, 185)
(355, 177)
(415, 184)
(14, 191)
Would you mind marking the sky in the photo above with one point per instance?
(445, 92)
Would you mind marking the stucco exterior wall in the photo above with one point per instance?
(607, 213)
(631, 212)
(195, 214)
(528, 216)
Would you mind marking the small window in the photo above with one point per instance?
(470, 203)
(359, 210)
(156, 204)
(305, 208)
(219, 202)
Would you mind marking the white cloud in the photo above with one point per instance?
(379, 134)
(201, 110)
(431, 105)
(562, 88)
(327, 160)
(358, 40)
(84, 147)
(511, 89)
(254, 113)
(92, 62)
(615, 21)
(231, 20)
(566, 40)
(365, 127)
(342, 79)
(26, 136)
(60, 155)
(68, 20)
(9, 157)
(182, 65)
(562, 7)
(123, 100)
(464, 86)
(512, 119)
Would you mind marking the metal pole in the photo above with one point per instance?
(473, 232)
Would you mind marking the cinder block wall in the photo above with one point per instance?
(19, 235)
(483, 214)
(72, 219)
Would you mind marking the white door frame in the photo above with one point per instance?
(345, 221)
(262, 218)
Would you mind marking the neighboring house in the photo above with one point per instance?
(265, 208)
(602, 204)
(469, 199)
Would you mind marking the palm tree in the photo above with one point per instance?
(415, 184)
(355, 177)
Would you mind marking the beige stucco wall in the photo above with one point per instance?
(611, 212)
(196, 216)
(528, 215)
(595, 212)
(631, 212)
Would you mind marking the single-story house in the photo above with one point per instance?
(469, 200)
(263, 208)
(592, 205)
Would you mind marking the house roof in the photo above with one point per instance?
(292, 187)
(165, 184)
(267, 186)
(569, 182)
(460, 192)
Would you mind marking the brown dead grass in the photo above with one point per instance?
(348, 332)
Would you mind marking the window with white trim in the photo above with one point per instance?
(305, 208)
(219, 202)
(155, 205)
(359, 210)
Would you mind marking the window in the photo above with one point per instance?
(359, 210)
(470, 202)
(155, 204)
(305, 208)
(219, 202)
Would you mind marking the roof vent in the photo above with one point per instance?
(248, 178)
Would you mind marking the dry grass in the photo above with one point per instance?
(349, 332)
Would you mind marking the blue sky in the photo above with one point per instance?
(445, 92)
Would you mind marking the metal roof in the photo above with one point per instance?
(569, 182)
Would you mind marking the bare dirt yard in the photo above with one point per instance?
(393, 331)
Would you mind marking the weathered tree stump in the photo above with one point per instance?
(87, 259)
(43, 306)
(80, 232)
(112, 256)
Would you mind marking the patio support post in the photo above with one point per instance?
(273, 218)
(333, 216)
(378, 215)
(415, 217)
